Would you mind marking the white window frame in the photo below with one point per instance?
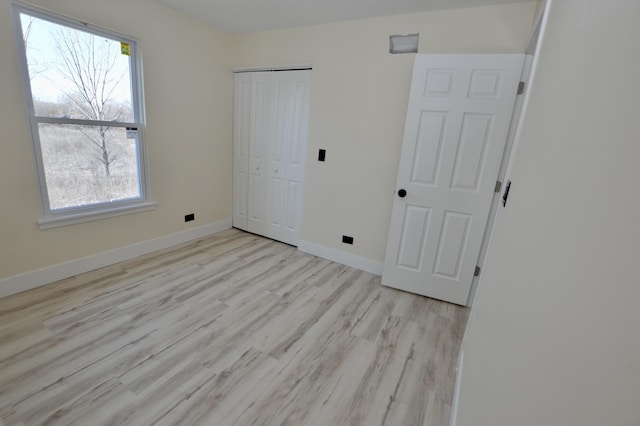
(71, 215)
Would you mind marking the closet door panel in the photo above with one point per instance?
(241, 138)
(261, 136)
(287, 154)
(277, 154)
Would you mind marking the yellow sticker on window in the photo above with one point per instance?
(125, 48)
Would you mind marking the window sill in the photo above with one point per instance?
(80, 217)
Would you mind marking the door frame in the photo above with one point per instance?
(495, 203)
(531, 64)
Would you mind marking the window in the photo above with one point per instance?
(83, 87)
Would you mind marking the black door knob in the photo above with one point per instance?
(402, 193)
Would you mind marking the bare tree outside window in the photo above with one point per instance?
(89, 64)
(82, 92)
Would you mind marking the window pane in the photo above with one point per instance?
(76, 74)
(86, 165)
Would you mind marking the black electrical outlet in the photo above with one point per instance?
(189, 217)
(347, 239)
(321, 154)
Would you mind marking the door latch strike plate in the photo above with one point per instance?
(505, 196)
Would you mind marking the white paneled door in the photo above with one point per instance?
(271, 112)
(458, 119)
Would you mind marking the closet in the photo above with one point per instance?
(270, 125)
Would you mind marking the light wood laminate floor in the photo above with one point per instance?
(233, 329)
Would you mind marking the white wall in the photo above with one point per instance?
(358, 104)
(553, 337)
(188, 87)
(359, 97)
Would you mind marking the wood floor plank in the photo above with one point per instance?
(233, 329)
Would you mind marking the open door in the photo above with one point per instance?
(458, 119)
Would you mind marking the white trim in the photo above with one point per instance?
(456, 391)
(87, 216)
(535, 34)
(49, 274)
(47, 14)
(342, 257)
(273, 68)
(71, 121)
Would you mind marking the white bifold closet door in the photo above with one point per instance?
(270, 126)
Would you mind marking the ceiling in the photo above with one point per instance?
(246, 16)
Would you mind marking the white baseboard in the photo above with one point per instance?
(49, 274)
(342, 257)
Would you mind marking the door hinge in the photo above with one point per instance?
(476, 272)
(521, 88)
(498, 186)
